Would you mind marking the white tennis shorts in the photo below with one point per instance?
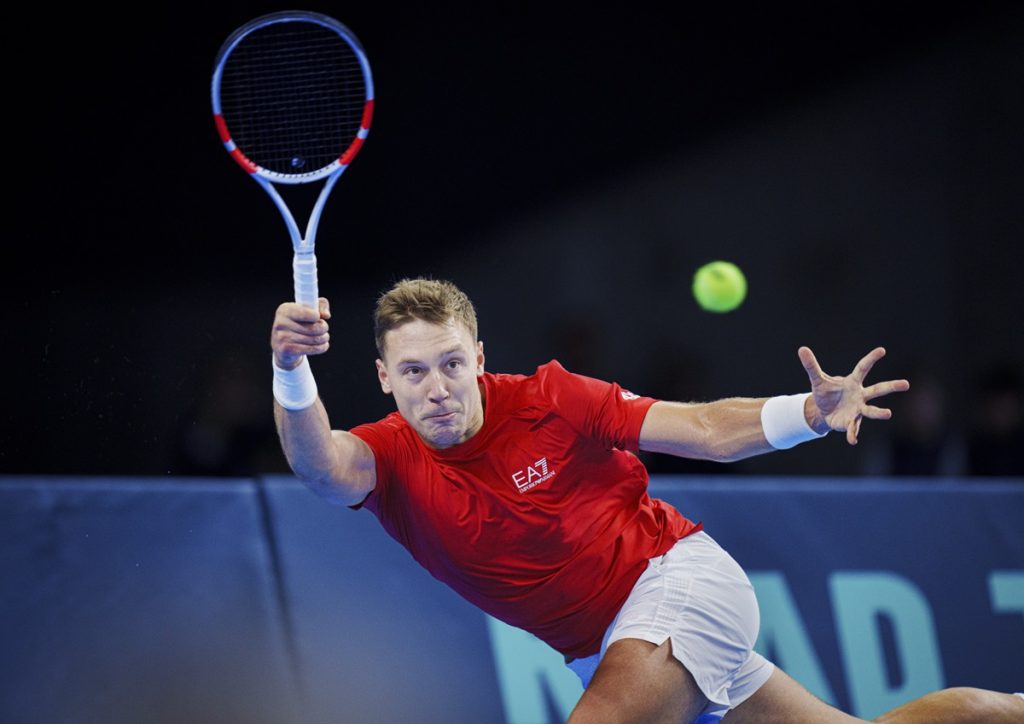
(698, 596)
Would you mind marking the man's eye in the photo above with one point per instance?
(455, 364)
(412, 370)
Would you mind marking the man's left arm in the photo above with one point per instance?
(737, 428)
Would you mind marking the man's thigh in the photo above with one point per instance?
(639, 682)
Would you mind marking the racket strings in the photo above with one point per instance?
(292, 96)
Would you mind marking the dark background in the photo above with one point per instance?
(570, 169)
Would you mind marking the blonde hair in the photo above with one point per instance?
(434, 301)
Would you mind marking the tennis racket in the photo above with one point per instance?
(292, 101)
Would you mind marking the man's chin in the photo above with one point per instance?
(442, 438)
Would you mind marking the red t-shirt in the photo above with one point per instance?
(542, 518)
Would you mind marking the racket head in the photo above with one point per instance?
(292, 96)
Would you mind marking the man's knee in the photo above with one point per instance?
(988, 706)
(971, 699)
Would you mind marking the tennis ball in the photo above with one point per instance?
(719, 286)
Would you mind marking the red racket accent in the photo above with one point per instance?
(242, 161)
(367, 115)
(225, 136)
(357, 143)
(350, 153)
(222, 128)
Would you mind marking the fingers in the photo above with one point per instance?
(860, 372)
(881, 389)
(849, 409)
(810, 363)
(869, 411)
(877, 413)
(298, 331)
(853, 430)
(290, 349)
(296, 326)
(302, 313)
(872, 413)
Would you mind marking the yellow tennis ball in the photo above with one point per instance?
(719, 286)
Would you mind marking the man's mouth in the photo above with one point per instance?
(441, 415)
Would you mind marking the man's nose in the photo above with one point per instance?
(438, 390)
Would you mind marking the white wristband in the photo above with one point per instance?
(783, 421)
(294, 389)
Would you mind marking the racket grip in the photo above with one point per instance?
(304, 268)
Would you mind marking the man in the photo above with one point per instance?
(523, 494)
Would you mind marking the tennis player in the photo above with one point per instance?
(524, 495)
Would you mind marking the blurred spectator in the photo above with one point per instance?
(996, 442)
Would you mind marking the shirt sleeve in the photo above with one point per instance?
(601, 410)
(381, 436)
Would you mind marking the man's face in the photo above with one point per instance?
(432, 370)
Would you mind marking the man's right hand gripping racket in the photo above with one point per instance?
(292, 100)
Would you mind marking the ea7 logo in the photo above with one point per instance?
(532, 475)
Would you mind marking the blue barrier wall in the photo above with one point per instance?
(253, 600)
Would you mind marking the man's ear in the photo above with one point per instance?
(382, 375)
(480, 357)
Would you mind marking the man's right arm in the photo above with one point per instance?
(333, 463)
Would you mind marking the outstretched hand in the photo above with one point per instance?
(842, 402)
